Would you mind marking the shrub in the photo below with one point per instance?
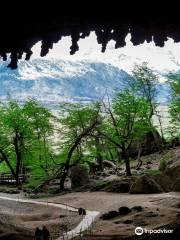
(162, 165)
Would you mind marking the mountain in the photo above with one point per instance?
(53, 81)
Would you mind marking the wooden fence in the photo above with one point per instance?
(9, 178)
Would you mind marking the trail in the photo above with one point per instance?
(82, 226)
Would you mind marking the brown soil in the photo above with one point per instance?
(26, 216)
(158, 210)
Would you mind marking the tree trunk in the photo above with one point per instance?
(125, 156)
(128, 169)
(18, 157)
(98, 153)
(139, 161)
(4, 156)
(111, 155)
(84, 134)
(62, 180)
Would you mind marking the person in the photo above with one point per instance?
(38, 234)
(82, 211)
(45, 234)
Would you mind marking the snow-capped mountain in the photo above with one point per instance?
(53, 81)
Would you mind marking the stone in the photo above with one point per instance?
(79, 176)
(145, 184)
(118, 187)
(137, 208)
(110, 215)
(124, 210)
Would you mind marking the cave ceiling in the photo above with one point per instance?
(21, 30)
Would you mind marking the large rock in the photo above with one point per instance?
(124, 210)
(110, 215)
(173, 172)
(79, 176)
(150, 143)
(117, 187)
(164, 181)
(120, 185)
(145, 184)
(176, 185)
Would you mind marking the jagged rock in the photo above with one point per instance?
(145, 184)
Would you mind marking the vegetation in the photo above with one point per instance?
(35, 142)
(175, 105)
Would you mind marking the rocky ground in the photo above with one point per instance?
(151, 199)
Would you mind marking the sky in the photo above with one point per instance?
(163, 59)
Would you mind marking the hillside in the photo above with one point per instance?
(53, 81)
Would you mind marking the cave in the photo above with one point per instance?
(24, 25)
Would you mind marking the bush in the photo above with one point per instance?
(162, 165)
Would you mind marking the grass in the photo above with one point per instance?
(151, 172)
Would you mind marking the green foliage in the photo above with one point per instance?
(144, 83)
(24, 135)
(131, 117)
(162, 165)
(74, 119)
(174, 109)
(46, 145)
(175, 103)
(151, 172)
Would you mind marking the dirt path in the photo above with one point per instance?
(82, 226)
(100, 202)
(104, 201)
(158, 210)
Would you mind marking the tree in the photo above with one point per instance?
(41, 121)
(15, 138)
(127, 121)
(25, 130)
(77, 123)
(175, 105)
(144, 82)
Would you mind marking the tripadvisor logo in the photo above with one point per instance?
(140, 230)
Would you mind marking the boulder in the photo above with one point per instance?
(118, 187)
(145, 184)
(150, 143)
(173, 172)
(124, 210)
(137, 208)
(79, 176)
(176, 185)
(110, 215)
(164, 181)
